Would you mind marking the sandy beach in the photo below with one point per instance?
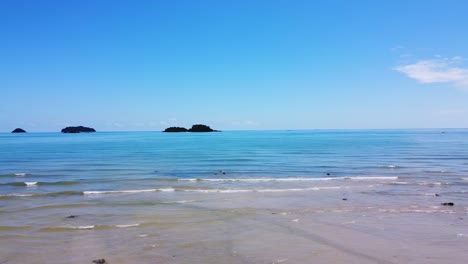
(281, 227)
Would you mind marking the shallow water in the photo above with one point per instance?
(235, 197)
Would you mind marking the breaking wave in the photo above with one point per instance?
(34, 195)
(128, 191)
(22, 184)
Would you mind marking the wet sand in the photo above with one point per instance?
(283, 227)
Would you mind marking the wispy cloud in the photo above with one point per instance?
(438, 70)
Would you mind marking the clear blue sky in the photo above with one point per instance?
(146, 65)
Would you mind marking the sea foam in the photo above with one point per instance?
(128, 191)
(264, 190)
(128, 225)
(362, 178)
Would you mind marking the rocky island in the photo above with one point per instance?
(78, 129)
(195, 128)
(176, 129)
(18, 130)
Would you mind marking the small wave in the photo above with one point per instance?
(465, 179)
(128, 225)
(85, 227)
(66, 228)
(219, 191)
(181, 202)
(288, 179)
(168, 179)
(33, 195)
(435, 171)
(303, 189)
(432, 183)
(21, 184)
(128, 191)
(369, 178)
(265, 190)
(388, 167)
(19, 174)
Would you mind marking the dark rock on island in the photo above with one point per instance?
(18, 130)
(78, 129)
(201, 128)
(175, 129)
(195, 128)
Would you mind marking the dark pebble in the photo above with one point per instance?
(448, 204)
(100, 261)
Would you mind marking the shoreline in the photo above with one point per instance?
(253, 228)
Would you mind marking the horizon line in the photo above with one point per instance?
(229, 130)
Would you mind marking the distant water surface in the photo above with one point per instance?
(100, 159)
(115, 180)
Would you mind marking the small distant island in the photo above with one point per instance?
(195, 128)
(18, 130)
(176, 129)
(78, 129)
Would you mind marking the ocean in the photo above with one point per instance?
(153, 197)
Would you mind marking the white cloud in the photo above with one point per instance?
(439, 70)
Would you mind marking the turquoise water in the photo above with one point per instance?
(149, 196)
(41, 163)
